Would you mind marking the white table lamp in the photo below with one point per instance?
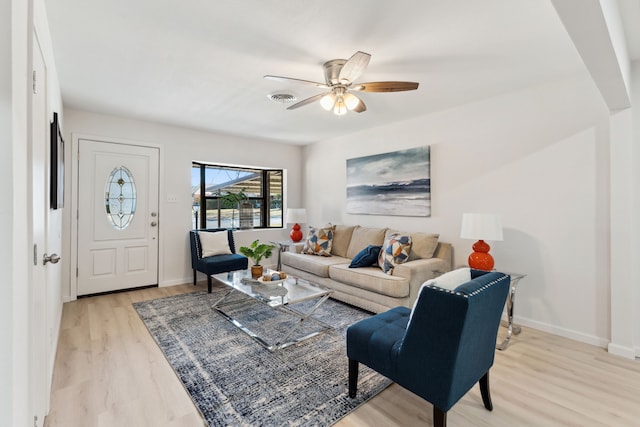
(482, 227)
(295, 217)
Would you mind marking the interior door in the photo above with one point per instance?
(117, 216)
(38, 281)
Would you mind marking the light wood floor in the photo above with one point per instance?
(109, 372)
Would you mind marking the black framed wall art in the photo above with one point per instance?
(56, 186)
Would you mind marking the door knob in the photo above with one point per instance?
(153, 223)
(53, 259)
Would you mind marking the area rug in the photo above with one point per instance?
(234, 381)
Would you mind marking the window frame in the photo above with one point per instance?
(264, 200)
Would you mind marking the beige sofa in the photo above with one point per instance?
(369, 287)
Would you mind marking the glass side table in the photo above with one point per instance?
(512, 329)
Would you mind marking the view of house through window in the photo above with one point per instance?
(235, 197)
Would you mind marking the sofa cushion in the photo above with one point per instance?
(366, 257)
(318, 266)
(423, 244)
(370, 279)
(319, 241)
(395, 251)
(341, 238)
(362, 237)
(214, 243)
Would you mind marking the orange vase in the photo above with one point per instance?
(480, 259)
(296, 234)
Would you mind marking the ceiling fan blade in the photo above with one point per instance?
(385, 86)
(354, 67)
(307, 101)
(279, 78)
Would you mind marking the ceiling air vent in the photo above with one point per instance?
(281, 97)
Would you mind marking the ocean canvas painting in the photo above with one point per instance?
(396, 183)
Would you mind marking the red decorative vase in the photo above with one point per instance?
(296, 234)
(480, 259)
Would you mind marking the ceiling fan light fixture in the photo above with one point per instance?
(351, 101)
(340, 75)
(328, 101)
(340, 108)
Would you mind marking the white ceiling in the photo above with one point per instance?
(200, 64)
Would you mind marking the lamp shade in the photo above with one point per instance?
(296, 216)
(481, 226)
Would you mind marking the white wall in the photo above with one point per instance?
(599, 37)
(15, 31)
(539, 158)
(8, 139)
(179, 147)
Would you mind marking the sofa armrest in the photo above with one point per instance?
(444, 251)
(419, 271)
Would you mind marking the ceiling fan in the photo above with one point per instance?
(340, 76)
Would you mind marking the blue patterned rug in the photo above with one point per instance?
(234, 381)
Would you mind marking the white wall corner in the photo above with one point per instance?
(621, 240)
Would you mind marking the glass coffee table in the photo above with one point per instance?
(278, 295)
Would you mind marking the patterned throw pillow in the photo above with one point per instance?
(395, 251)
(319, 241)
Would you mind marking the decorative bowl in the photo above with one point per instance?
(272, 282)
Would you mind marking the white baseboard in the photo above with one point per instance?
(563, 332)
(174, 282)
(623, 351)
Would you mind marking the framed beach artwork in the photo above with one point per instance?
(396, 183)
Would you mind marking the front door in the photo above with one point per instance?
(117, 216)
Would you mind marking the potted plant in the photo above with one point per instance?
(256, 251)
(231, 200)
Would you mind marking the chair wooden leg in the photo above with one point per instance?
(484, 391)
(439, 417)
(353, 377)
(194, 276)
(208, 283)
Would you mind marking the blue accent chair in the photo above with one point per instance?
(446, 348)
(217, 263)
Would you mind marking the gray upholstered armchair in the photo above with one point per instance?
(220, 263)
(446, 347)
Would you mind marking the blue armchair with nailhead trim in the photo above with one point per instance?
(446, 347)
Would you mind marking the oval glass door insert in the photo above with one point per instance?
(120, 197)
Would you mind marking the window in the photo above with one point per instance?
(236, 197)
(120, 197)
